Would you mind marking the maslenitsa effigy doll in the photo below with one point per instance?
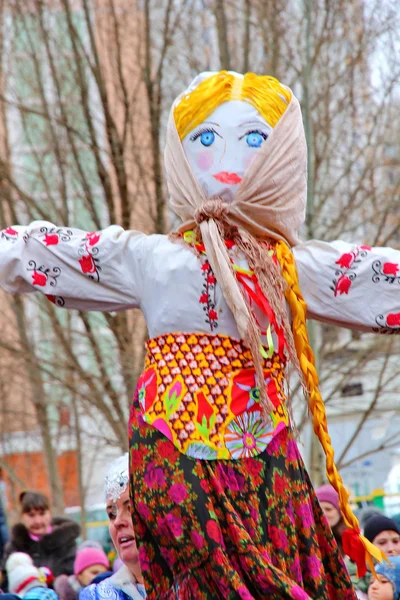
(222, 505)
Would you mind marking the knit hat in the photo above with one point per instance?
(88, 557)
(22, 574)
(326, 493)
(391, 570)
(379, 523)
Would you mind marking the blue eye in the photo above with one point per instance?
(254, 139)
(207, 138)
(206, 135)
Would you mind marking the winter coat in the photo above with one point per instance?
(359, 583)
(3, 530)
(40, 593)
(67, 587)
(120, 586)
(55, 550)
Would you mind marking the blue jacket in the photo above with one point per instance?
(3, 530)
(120, 586)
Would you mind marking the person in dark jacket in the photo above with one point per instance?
(3, 530)
(51, 542)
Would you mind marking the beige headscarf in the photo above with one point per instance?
(270, 203)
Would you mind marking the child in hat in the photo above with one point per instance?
(27, 581)
(386, 585)
(90, 561)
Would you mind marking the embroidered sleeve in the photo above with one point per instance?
(353, 286)
(101, 270)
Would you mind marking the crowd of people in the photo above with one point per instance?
(381, 531)
(44, 561)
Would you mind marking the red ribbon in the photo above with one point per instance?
(261, 301)
(354, 548)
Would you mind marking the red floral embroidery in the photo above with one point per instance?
(87, 264)
(42, 275)
(10, 231)
(389, 323)
(343, 285)
(393, 320)
(93, 238)
(53, 235)
(348, 263)
(39, 278)
(51, 240)
(390, 268)
(57, 300)
(207, 297)
(346, 260)
(387, 271)
(9, 234)
(88, 251)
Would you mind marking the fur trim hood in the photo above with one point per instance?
(64, 534)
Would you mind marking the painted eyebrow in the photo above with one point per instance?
(208, 123)
(262, 123)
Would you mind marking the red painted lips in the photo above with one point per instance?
(225, 177)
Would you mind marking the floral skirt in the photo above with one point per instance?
(228, 529)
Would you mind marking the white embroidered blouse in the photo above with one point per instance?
(348, 285)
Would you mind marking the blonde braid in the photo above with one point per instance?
(305, 355)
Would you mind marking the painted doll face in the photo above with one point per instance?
(222, 148)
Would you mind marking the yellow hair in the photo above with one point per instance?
(265, 93)
(305, 355)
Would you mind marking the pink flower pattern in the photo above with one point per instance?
(231, 522)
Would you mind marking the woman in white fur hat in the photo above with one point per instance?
(127, 582)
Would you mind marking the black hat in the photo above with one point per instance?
(379, 523)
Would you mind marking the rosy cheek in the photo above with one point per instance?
(205, 160)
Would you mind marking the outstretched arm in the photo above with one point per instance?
(349, 285)
(77, 269)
